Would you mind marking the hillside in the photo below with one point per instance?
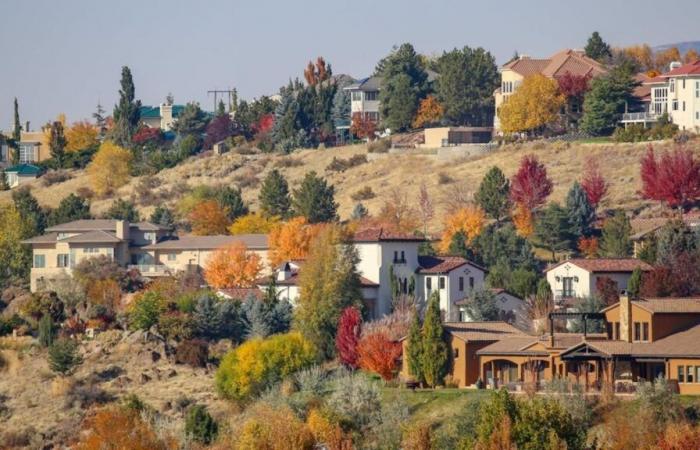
(447, 181)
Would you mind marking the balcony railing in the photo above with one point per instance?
(640, 117)
(151, 269)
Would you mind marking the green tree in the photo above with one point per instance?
(16, 257)
(579, 210)
(465, 87)
(126, 113)
(493, 194)
(274, 195)
(553, 229)
(146, 310)
(57, 143)
(16, 134)
(597, 48)
(64, 356)
(71, 208)
(414, 348)
(482, 306)
(434, 351)
(605, 102)
(328, 284)
(315, 199)
(28, 207)
(192, 121)
(163, 216)
(4, 186)
(404, 84)
(675, 238)
(634, 285)
(231, 201)
(523, 282)
(200, 425)
(544, 289)
(615, 241)
(545, 420)
(123, 210)
(498, 407)
(47, 330)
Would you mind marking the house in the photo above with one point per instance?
(454, 136)
(513, 73)
(645, 230)
(512, 309)
(21, 174)
(577, 278)
(364, 98)
(162, 116)
(150, 248)
(33, 148)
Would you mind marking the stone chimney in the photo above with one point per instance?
(166, 116)
(122, 230)
(625, 318)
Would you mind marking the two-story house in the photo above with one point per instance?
(162, 116)
(364, 98)
(33, 148)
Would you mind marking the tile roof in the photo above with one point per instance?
(684, 70)
(527, 66)
(380, 234)
(571, 61)
(93, 237)
(481, 331)
(512, 345)
(669, 305)
(440, 264)
(605, 264)
(190, 242)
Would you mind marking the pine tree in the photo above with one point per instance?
(605, 102)
(434, 350)
(64, 356)
(163, 216)
(274, 195)
(494, 194)
(71, 208)
(192, 121)
(16, 134)
(597, 48)
(200, 425)
(28, 207)
(580, 211)
(4, 185)
(126, 113)
(100, 121)
(616, 241)
(57, 143)
(231, 201)
(634, 286)
(123, 210)
(414, 349)
(553, 229)
(315, 199)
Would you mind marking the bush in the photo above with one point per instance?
(200, 425)
(176, 325)
(274, 429)
(259, 363)
(47, 331)
(356, 400)
(64, 356)
(311, 380)
(194, 353)
(86, 395)
(379, 146)
(288, 161)
(444, 178)
(146, 310)
(10, 323)
(55, 176)
(341, 165)
(365, 193)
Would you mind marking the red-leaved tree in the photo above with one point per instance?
(348, 336)
(264, 125)
(148, 135)
(378, 354)
(674, 178)
(607, 290)
(363, 127)
(573, 86)
(530, 186)
(218, 129)
(593, 182)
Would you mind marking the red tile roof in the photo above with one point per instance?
(482, 331)
(572, 61)
(670, 305)
(606, 264)
(380, 234)
(684, 70)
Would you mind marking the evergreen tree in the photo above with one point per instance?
(64, 356)
(221, 109)
(553, 229)
(287, 112)
(615, 240)
(482, 306)
(230, 200)
(493, 194)
(192, 121)
(580, 211)
(71, 208)
(359, 212)
(605, 102)
(57, 143)
(123, 210)
(315, 199)
(465, 87)
(674, 239)
(4, 185)
(200, 425)
(163, 216)
(544, 289)
(30, 211)
(634, 286)
(434, 350)
(100, 121)
(47, 330)
(597, 48)
(414, 348)
(274, 195)
(341, 105)
(16, 134)
(126, 113)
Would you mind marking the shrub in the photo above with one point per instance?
(176, 325)
(659, 402)
(379, 146)
(444, 178)
(341, 165)
(539, 420)
(47, 331)
(64, 356)
(356, 400)
(274, 429)
(327, 432)
(288, 161)
(193, 352)
(146, 310)
(259, 363)
(417, 437)
(86, 394)
(377, 353)
(247, 179)
(55, 176)
(365, 193)
(200, 425)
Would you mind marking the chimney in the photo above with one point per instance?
(284, 273)
(166, 116)
(674, 65)
(625, 318)
(122, 229)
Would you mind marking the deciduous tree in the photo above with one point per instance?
(82, 135)
(429, 112)
(588, 246)
(674, 178)
(378, 354)
(218, 129)
(397, 214)
(348, 336)
(363, 127)
(523, 221)
(291, 240)
(232, 266)
(253, 223)
(426, 211)
(534, 105)
(530, 186)
(209, 219)
(109, 168)
(593, 182)
(469, 220)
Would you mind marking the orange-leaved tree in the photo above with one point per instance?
(378, 354)
(291, 240)
(232, 266)
(109, 168)
(469, 220)
(429, 112)
(523, 221)
(81, 135)
(397, 214)
(588, 246)
(208, 218)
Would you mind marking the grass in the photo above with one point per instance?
(433, 405)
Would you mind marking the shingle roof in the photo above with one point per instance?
(669, 305)
(24, 169)
(380, 234)
(481, 331)
(93, 237)
(684, 70)
(366, 84)
(293, 280)
(48, 238)
(189, 242)
(512, 345)
(440, 264)
(101, 224)
(606, 264)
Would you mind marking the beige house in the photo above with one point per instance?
(162, 116)
(453, 136)
(33, 148)
(514, 73)
(684, 96)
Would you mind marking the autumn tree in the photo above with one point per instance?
(593, 182)
(691, 56)
(315, 199)
(534, 105)
(588, 246)
(493, 194)
(523, 221)
(378, 354)
(573, 87)
(348, 336)
(530, 186)
(397, 214)
(218, 129)
(291, 240)
(57, 143)
(664, 58)
(274, 195)
(674, 178)
(109, 168)
(126, 112)
(81, 135)
(208, 219)
(642, 55)
(253, 224)
(329, 283)
(363, 127)
(16, 256)
(469, 220)
(232, 266)
(429, 112)
(426, 210)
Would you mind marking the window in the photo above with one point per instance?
(683, 83)
(697, 89)
(399, 258)
(568, 286)
(672, 85)
(674, 105)
(39, 261)
(697, 374)
(637, 331)
(371, 95)
(471, 283)
(62, 260)
(617, 330)
(151, 236)
(26, 153)
(689, 378)
(91, 250)
(428, 284)
(456, 353)
(403, 256)
(356, 96)
(684, 105)
(373, 116)
(172, 256)
(645, 331)
(461, 284)
(681, 374)
(442, 282)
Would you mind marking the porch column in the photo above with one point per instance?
(493, 374)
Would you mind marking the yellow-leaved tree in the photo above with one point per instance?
(523, 221)
(232, 266)
(81, 135)
(109, 168)
(291, 240)
(536, 103)
(253, 223)
(469, 220)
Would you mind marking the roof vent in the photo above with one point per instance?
(524, 56)
(674, 65)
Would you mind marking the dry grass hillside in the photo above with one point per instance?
(447, 182)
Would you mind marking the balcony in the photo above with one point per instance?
(152, 270)
(640, 117)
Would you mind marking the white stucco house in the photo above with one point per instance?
(512, 309)
(576, 278)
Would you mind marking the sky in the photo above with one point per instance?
(65, 56)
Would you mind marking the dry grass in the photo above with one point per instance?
(619, 163)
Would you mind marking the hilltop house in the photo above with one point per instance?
(364, 98)
(33, 148)
(643, 339)
(21, 174)
(513, 73)
(162, 116)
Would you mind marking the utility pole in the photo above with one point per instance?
(216, 93)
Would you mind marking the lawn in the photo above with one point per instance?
(433, 405)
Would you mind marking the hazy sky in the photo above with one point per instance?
(64, 56)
